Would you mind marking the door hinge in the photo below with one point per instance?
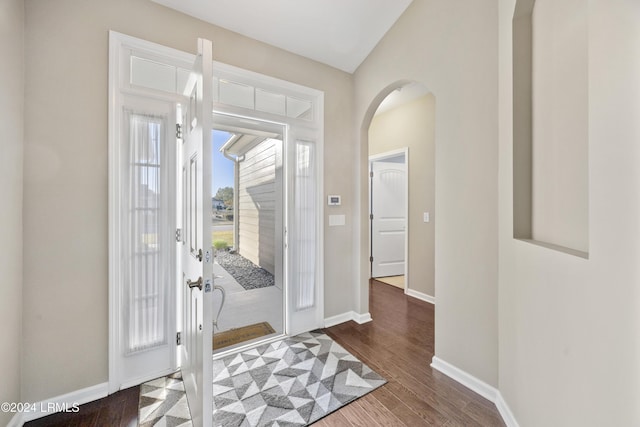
(178, 235)
(371, 216)
(178, 131)
(370, 259)
(178, 338)
(371, 174)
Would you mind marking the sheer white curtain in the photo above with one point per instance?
(145, 234)
(305, 199)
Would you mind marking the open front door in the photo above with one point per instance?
(197, 255)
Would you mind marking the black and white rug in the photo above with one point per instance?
(291, 382)
(163, 403)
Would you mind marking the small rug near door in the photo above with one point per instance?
(239, 335)
(397, 281)
(293, 382)
(163, 402)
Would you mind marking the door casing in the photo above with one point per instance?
(120, 47)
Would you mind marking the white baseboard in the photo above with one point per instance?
(143, 379)
(483, 389)
(420, 296)
(507, 416)
(336, 320)
(345, 317)
(361, 318)
(17, 420)
(69, 401)
(467, 380)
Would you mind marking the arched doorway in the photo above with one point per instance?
(398, 134)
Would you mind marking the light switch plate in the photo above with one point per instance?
(426, 217)
(335, 220)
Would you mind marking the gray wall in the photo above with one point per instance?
(569, 340)
(412, 125)
(11, 154)
(66, 53)
(450, 47)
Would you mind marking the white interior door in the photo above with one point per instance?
(197, 274)
(388, 207)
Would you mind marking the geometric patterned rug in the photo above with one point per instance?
(291, 382)
(163, 403)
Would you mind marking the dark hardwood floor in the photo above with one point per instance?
(398, 344)
(117, 410)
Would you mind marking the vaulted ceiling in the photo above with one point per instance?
(339, 33)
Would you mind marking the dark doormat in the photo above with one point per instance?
(239, 335)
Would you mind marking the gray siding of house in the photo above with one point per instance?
(256, 205)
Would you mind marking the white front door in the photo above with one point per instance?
(388, 207)
(197, 255)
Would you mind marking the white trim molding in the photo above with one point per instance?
(474, 384)
(467, 380)
(345, 317)
(507, 416)
(420, 296)
(361, 318)
(70, 401)
(17, 420)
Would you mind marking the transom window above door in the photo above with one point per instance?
(228, 88)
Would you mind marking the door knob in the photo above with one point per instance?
(196, 284)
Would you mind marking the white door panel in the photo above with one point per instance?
(388, 203)
(196, 253)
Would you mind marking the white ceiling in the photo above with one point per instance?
(339, 33)
(406, 93)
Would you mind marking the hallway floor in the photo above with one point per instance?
(398, 344)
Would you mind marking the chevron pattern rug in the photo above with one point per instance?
(163, 403)
(291, 382)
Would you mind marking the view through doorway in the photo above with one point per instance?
(401, 147)
(246, 217)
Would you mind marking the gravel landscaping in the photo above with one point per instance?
(246, 273)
